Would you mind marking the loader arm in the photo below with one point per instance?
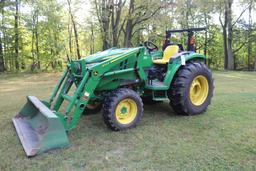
(86, 86)
(42, 125)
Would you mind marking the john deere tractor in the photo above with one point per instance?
(118, 81)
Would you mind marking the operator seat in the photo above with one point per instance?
(169, 51)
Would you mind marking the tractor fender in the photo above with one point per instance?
(177, 62)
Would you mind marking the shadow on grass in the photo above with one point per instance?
(157, 112)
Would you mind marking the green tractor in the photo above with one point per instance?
(118, 81)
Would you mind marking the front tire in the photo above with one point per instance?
(122, 109)
(191, 90)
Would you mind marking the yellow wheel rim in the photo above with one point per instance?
(126, 111)
(199, 89)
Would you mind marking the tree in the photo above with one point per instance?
(116, 11)
(35, 38)
(35, 51)
(16, 27)
(75, 30)
(227, 27)
(103, 11)
(2, 67)
(49, 33)
(224, 32)
(139, 13)
(92, 39)
(250, 34)
(230, 57)
(1, 55)
(251, 37)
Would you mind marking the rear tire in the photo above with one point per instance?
(191, 90)
(122, 109)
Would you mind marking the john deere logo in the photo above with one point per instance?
(95, 73)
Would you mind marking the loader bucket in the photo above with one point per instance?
(38, 128)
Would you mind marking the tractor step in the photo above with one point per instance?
(160, 95)
(160, 99)
(67, 97)
(156, 85)
(38, 128)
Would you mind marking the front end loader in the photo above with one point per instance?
(118, 81)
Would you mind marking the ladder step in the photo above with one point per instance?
(160, 95)
(156, 85)
(160, 99)
(67, 97)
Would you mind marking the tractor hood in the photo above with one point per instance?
(104, 55)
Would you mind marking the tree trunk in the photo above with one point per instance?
(1, 55)
(23, 57)
(129, 26)
(37, 44)
(249, 36)
(128, 33)
(32, 44)
(53, 62)
(109, 12)
(92, 40)
(206, 40)
(70, 40)
(224, 36)
(136, 20)
(230, 54)
(2, 61)
(16, 26)
(76, 39)
(188, 2)
(115, 20)
(105, 20)
(75, 30)
(4, 44)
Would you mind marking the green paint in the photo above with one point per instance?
(38, 128)
(124, 110)
(92, 76)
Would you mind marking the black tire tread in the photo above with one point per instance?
(177, 91)
(110, 104)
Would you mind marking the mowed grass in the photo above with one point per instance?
(223, 138)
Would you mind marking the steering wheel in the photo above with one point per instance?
(150, 46)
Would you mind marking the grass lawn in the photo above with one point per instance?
(223, 138)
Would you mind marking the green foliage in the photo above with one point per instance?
(47, 39)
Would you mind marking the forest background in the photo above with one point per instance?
(40, 35)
